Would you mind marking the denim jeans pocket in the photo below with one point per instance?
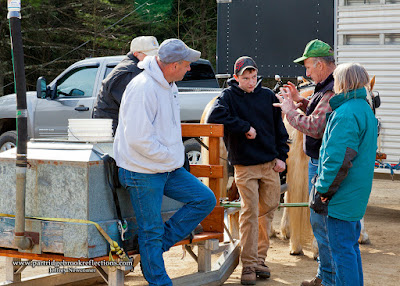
(128, 178)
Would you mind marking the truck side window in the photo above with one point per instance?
(108, 70)
(78, 82)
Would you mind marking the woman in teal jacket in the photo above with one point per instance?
(346, 168)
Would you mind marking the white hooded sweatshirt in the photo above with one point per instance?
(149, 138)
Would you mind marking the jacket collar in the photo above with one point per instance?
(324, 83)
(150, 65)
(341, 98)
(132, 57)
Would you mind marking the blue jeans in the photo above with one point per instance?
(146, 193)
(343, 236)
(326, 264)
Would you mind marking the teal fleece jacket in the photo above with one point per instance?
(347, 155)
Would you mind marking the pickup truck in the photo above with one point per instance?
(72, 95)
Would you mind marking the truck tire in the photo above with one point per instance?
(8, 140)
(193, 151)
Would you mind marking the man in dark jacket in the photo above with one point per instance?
(256, 140)
(113, 86)
(319, 62)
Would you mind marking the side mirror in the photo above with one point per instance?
(41, 87)
(76, 92)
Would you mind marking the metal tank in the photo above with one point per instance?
(66, 180)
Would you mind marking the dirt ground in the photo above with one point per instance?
(381, 259)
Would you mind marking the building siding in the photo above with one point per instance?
(370, 35)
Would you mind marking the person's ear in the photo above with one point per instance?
(236, 77)
(320, 65)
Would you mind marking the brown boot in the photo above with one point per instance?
(262, 270)
(248, 276)
(315, 282)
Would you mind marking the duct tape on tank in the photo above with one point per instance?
(22, 113)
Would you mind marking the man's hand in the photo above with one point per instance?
(251, 134)
(294, 94)
(279, 166)
(286, 102)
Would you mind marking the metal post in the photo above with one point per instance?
(14, 15)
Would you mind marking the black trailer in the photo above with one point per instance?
(273, 33)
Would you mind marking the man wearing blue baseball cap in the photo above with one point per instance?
(149, 152)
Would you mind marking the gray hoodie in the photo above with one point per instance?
(148, 138)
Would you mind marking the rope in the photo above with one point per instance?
(391, 167)
(114, 247)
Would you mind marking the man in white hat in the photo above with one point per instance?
(113, 86)
(149, 152)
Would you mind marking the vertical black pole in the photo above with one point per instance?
(20, 83)
(20, 240)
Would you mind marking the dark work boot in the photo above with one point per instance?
(262, 270)
(248, 276)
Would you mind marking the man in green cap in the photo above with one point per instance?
(318, 59)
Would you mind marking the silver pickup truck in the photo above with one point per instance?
(72, 95)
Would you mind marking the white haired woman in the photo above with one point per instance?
(346, 168)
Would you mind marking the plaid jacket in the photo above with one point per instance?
(314, 124)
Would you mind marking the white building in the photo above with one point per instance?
(368, 32)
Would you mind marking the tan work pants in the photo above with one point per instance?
(259, 188)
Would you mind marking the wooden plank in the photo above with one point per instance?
(68, 278)
(196, 130)
(10, 270)
(210, 171)
(49, 256)
(214, 222)
(202, 237)
(203, 259)
(214, 183)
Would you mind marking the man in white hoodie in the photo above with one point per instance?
(149, 152)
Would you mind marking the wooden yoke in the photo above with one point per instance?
(215, 221)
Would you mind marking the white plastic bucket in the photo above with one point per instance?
(90, 130)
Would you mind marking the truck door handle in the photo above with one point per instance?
(82, 108)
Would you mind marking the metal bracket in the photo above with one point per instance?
(35, 236)
(33, 230)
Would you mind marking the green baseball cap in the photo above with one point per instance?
(315, 48)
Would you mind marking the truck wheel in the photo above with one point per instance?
(193, 151)
(8, 140)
